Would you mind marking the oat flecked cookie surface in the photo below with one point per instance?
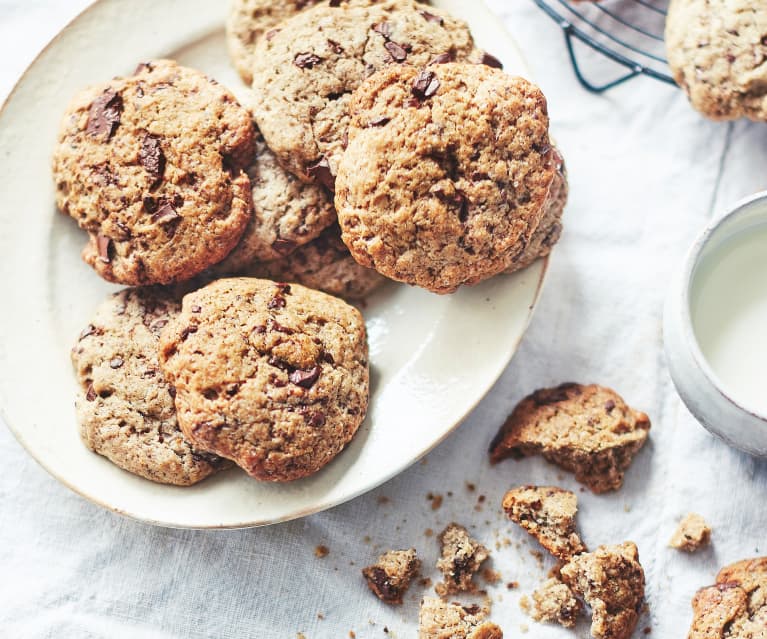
(390, 577)
(304, 74)
(287, 214)
(272, 376)
(692, 534)
(588, 430)
(447, 174)
(249, 21)
(717, 51)
(461, 558)
(439, 619)
(736, 606)
(124, 404)
(324, 264)
(151, 167)
(611, 580)
(555, 602)
(548, 514)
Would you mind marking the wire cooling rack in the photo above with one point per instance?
(629, 32)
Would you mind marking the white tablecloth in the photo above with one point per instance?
(646, 174)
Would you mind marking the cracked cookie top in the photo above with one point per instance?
(124, 403)
(305, 72)
(151, 167)
(448, 172)
(272, 376)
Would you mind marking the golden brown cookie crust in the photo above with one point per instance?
(272, 376)
(588, 430)
(447, 173)
(124, 403)
(304, 74)
(151, 167)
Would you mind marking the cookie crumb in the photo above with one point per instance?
(548, 514)
(383, 499)
(491, 576)
(436, 501)
(352, 634)
(554, 602)
(390, 577)
(692, 534)
(320, 616)
(512, 585)
(524, 604)
(439, 619)
(462, 557)
(524, 628)
(428, 532)
(470, 487)
(321, 551)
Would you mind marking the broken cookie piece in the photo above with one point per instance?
(441, 620)
(692, 534)
(461, 559)
(611, 580)
(548, 514)
(554, 602)
(390, 577)
(736, 606)
(588, 430)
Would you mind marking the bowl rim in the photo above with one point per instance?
(691, 264)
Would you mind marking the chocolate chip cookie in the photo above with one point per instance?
(588, 430)
(692, 534)
(151, 167)
(554, 602)
(250, 20)
(548, 514)
(287, 214)
(304, 74)
(272, 376)
(447, 174)
(736, 606)
(439, 619)
(611, 580)
(717, 51)
(124, 403)
(324, 264)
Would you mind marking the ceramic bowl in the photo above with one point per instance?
(719, 409)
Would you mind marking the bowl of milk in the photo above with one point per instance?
(715, 327)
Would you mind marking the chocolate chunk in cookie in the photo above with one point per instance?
(151, 167)
(588, 430)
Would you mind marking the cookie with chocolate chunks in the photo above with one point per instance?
(304, 74)
(124, 403)
(151, 166)
(272, 376)
(287, 214)
(447, 175)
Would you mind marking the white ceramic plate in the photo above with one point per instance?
(433, 358)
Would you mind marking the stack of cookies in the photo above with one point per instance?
(380, 144)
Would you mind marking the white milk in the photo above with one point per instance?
(729, 314)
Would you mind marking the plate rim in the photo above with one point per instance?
(542, 264)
